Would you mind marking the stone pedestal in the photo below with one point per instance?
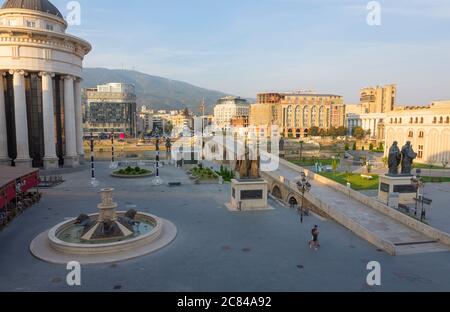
(400, 185)
(24, 163)
(248, 195)
(51, 163)
(71, 161)
(5, 162)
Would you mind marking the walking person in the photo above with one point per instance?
(315, 238)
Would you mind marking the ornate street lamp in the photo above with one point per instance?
(418, 183)
(304, 187)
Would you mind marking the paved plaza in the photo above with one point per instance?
(215, 250)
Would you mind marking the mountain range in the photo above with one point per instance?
(156, 92)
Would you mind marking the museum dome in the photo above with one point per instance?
(36, 5)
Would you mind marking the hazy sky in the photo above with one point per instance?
(243, 47)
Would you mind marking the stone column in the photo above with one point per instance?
(50, 158)
(79, 120)
(71, 158)
(374, 133)
(20, 117)
(4, 158)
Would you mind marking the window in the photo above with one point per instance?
(441, 120)
(417, 120)
(50, 27)
(411, 134)
(31, 24)
(435, 120)
(421, 134)
(447, 120)
(421, 120)
(411, 120)
(400, 120)
(420, 153)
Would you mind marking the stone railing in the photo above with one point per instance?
(374, 204)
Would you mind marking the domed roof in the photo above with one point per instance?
(36, 5)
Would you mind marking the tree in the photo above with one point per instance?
(354, 147)
(342, 131)
(381, 147)
(168, 128)
(359, 133)
(314, 131)
(347, 147)
(301, 149)
(334, 165)
(371, 147)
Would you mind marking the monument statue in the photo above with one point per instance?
(247, 168)
(281, 145)
(408, 156)
(394, 159)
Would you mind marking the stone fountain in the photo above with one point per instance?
(107, 236)
(107, 225)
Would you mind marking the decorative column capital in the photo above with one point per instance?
(42, 74)
(68, 77)
(78, 79)
(18, 71)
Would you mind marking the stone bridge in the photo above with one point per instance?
(386, 228)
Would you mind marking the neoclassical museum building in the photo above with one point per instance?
(40, 92)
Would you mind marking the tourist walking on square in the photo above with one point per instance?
(315, 238)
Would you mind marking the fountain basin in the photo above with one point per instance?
(49, 248)
(108, 247)
(104, 237)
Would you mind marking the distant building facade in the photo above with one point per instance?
(111, 108)
(228, 108)
(379, 99)
(145, 120)
(375, 103)
(427, 127)
(296, 113)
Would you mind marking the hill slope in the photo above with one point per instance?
(160, 93)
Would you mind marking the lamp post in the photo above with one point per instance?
(113, 164)
(304, 187)
(94, 181)
(418, 184)
(157, 180)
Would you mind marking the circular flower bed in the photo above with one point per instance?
(132, 172)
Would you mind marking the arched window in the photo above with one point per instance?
(306, 117)
(421, 134)
(417, 119)
(411, 134)
(447, 120)
(289, 117)
(313, 116)
(421, 120)
(322, 117)
(298, 116)
(441, 120)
